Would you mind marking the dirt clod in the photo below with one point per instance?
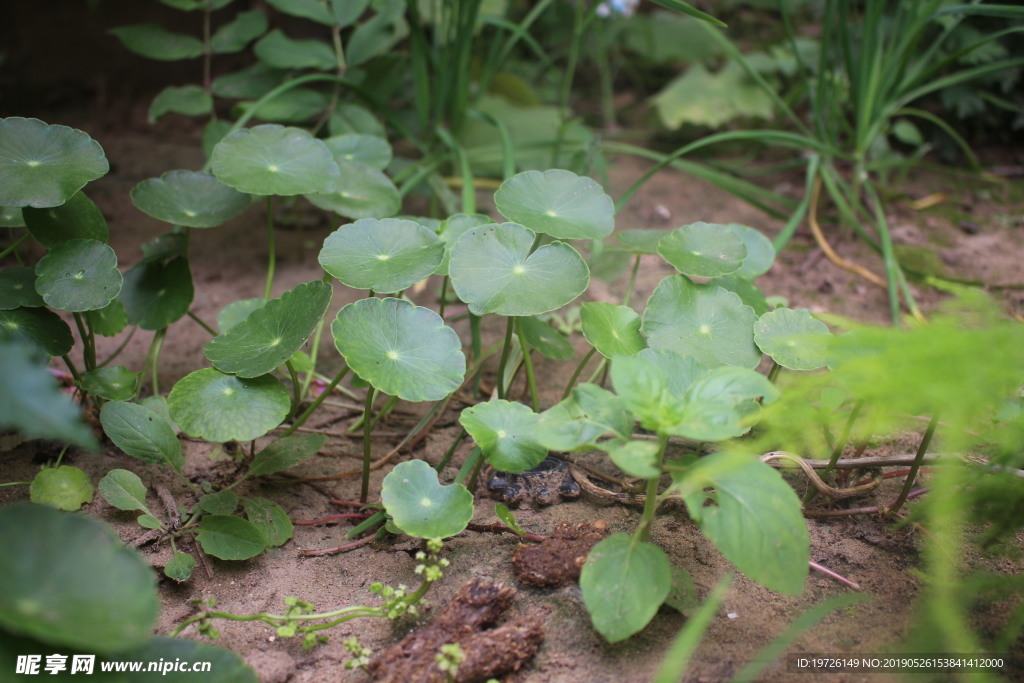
(486, 652)
(557, 560)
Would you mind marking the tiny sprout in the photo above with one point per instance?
(421, 556)
(360, 654)
(434, 545)
(312, 640)
(376, 587)
(449, 658)
(286, 631)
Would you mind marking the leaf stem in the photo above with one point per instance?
(643, 531)
(14, 245)
(505, 349)
(530, 379)
(316, 402)
(117, 352)
(922, 448)
(576, 374)
(364, 490)
(632, 281)
(202, 324)
(296, 388)
(271, 256)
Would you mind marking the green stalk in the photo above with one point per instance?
(272, 256)
(922, 448)
(296, 389)
(202, 324)
(505, 349)
(528, 363)
(301, 420)
(576, 373)
(475, 345)
(364, 490)
(14, 245)
(470, 465)
(643, 531)
(157, 347)
(446, 458)
(632, 281)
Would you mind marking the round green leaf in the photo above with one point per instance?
(180, 567)
(153, 41)
(706, 322)
(504, 431)
(577, 422)
(557, 203)
(77, 218)
(401, 349)
(109, 320)
(211, 405)
(635, 458)
(270, 518)
(270, 335)
(493, 271)
(746, 290)
(545, 339)
(79, 275)
(18, 289)
(237, 311)
(189, 199)
(383, 255)
(141, 433)
(612, 330)
(64, 487)
(156, 293)
(114, 383)
(281, 52)
(624, 582)
(229, 538)
(124, 490)
(42, 165)
(421, 506)
(68, 581)
(190, 100)
(40, 326)
(454, 228)
(760, 252)
(360, 191)
(11, 217)
(793, 338)
(272, 159)
(371, 150)
(641, 241)
(703, 250)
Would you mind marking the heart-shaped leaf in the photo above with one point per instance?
(278, 51)
(229, 538)
(360, 191)
(153, 41)
(557, 203)
(624, 582)
(706, 322)
(270, 335)
(42, 165)
(383, 255)
(372, 150)
(401, 349)
(211, 405)
(18, 289)
(79, 275)
(793, 338)
(39, 326)
(270, 518)
(760, 252)
(580, 420)
(114, 383)
(49, 557)
(141, 433)
(493, 271)
(156, 293)
(65, 488)
(285, 453)
(421, 506)
(189, 199)
(504, 431)
(124, 490)
(77, 218)
(703, 250)
(272, 159)
(108, 321)
(612, 330)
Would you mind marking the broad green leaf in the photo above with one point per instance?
(545, 339)
(285, 453)
(386, 255)
(352, 118)
(297, 105)
(680, 371)
(557, 203)
(760, 252)
(250, 83)
(401, 349)
(42, 165)
(141, 433)
(270, 335)
(156, 294)
(79, 275)
(702, 98)
(754, 518)
(213, 133)
(271, 520)
(721, 404)
(375, 36)
(644, 387)
(18, 289)
(38, 326)
(220, 503)
(371, 150)
(31, 403)
(179, 567)
(624, 582)
(706, 322)
(65, 488)
(580, 420)
(124, 490)
(421, 506)
(635, 458)
(149, 522)
(346, 12)
(11, 217)
(454, 228)
(504, 431)
(359, 192)
(793, 338)
(190, 100)
(229, 538)
(155, 42)
(68, 581)
(237, 311)
(158, 404)
(612, 330)
(218, 407)
(273, 159)
(493, 271)
(236, 34)
(108, 321)
(189, 199)
(77, 218)
(641, 241)
(307, 9)
(278, 51)
(746, 290)
(703, 250)
(114, 383)
(165, 247)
